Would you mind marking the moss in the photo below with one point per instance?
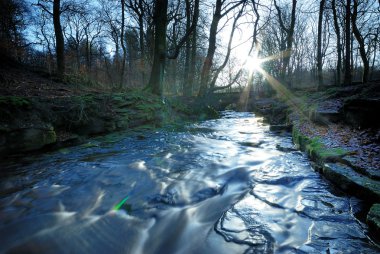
(315, 149)
(14, 101)
(50, 137)
(179, 106)
(318, 151)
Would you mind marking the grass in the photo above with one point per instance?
(315, 148)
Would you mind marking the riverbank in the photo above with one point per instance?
(339, 130)
(38, 112)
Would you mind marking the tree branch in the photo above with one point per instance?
(178, 47)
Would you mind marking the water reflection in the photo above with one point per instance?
(221, 186)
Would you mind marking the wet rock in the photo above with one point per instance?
(23, 140)
(205, 194)
(286, 147)
(281, 127)
(354, 162)
(251, 144)
(353, 182)
(373, 220)
(232, 227)
(96, 125)
(169, 198)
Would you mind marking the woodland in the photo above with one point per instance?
(192, 48)
(189, 126)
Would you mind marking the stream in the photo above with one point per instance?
(220, 186)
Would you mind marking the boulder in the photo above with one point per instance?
(281, 127)
(28, 139)
(329, 111)
(362, 113)
(373, 220)
(324, 117)
(353, 182)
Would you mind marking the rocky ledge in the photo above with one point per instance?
(338, 129)
(32, 123)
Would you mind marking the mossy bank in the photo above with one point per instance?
(31, 123)
(341, 138)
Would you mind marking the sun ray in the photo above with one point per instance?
(290, 99)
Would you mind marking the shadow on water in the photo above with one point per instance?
(220, 186)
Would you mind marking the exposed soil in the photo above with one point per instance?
(22, 81)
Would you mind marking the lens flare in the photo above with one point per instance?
(253, 64)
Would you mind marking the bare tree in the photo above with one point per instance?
(160, 24)
(289, 30)
(187, 84)
(55, 12)
(12, 25)
(139, 10)
(360, 40)
(220, 11)
(319, 46)
(347, 62)
(338, 43)
(122, 43)
(160, 47)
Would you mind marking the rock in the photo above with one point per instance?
(351, 181)
(327, 111)
(356, 163)
(251, 144)
(373, 220)
(286, 147)
(26, 140)
(95, 126)
(362, 113)
(324, 117)
(281, 127)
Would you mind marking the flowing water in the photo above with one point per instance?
(221, 186)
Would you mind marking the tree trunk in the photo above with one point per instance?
(206, 69)
(347, 64)
(141, 42)
(122, 42)
(319, 46)
(338, 44)
(360, 40)
(289, 36)
(59, 40)
(193, 61)
(159, 54)
(193, 56)
(186, 86)
(374, 57)
(88, 55)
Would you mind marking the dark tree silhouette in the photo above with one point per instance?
(319, 44)
(347, 61)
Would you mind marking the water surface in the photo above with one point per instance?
(221, 186)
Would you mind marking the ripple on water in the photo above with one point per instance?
(222, 186)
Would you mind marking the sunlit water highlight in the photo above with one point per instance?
(221, 186)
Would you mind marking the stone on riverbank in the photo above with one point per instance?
(373, 220)
(351, 181)
(28, 139)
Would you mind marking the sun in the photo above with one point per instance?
(253, 64)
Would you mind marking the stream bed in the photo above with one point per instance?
(220, 186)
